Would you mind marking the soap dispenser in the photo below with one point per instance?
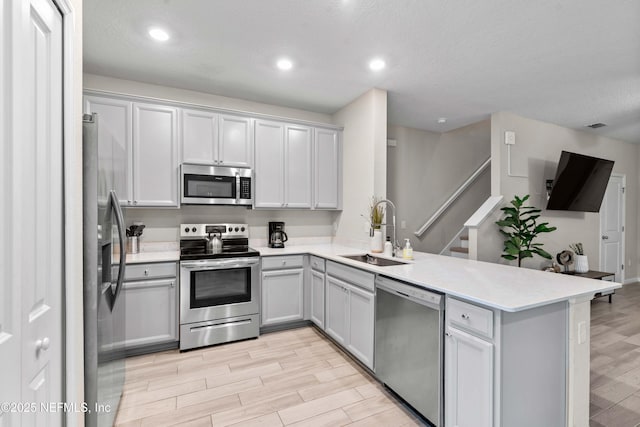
(407, 251)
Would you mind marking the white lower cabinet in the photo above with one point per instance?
(151, 312)
(282, 290)
(317, 298)
(150, 294)
(337, 299)
(469, 380)
(361, 324)
(350, 310)
(504, 368)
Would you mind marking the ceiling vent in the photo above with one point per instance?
(596, 125)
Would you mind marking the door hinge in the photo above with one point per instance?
(622, 267)
(623, 228)
(622, 190)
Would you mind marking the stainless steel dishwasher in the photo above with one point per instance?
(408, 345)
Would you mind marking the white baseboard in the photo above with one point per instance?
(631, 280)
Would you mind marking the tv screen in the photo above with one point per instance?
(580, 183)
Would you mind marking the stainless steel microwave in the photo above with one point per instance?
(215, 185)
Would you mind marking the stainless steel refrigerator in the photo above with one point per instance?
(104, 241)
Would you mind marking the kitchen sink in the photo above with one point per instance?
(373, 260)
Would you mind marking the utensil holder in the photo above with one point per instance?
(133, 245)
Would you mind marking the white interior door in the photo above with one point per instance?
(10, 344)
(612, 228)
(39, 205)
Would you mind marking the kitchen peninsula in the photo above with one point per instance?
(516, 340)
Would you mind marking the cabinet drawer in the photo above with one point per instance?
(280, 262)
(149, 271)
(351, 275)
(470, 317)
(316, 263)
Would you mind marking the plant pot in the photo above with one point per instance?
(581, 264)
(377, 245)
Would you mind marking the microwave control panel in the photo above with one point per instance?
(245, 188)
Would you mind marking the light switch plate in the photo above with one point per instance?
(510, 137)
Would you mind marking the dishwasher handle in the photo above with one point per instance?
(419, 296)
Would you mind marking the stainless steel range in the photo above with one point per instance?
(218, 287)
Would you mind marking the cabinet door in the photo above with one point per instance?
(361, 324)
(114, 144)
(317, 298)
(235, 147)
(468, 380)
(155, 155)
(297, 167)
(150, 312)
(282, 296)
(336, 310)
(269, 169)
(327, 171)
(199, 137)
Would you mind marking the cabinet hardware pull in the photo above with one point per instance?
(465, 316)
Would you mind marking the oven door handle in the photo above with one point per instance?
(220, 264)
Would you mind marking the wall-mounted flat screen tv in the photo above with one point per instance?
(580, 183)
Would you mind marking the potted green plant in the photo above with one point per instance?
(520, 228)
(376, 218)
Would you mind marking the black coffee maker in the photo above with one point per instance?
(277, 236)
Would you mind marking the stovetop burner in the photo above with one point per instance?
(235, 241)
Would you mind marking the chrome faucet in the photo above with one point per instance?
(393, 224)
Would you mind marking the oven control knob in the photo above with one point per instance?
(194, 229)
(236, 229)
(242, 229)
(186, 229)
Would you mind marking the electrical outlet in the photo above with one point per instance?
(582, 332)
(403, 224)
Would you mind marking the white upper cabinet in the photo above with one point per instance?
(297, 167)
(269, 169)
(155, 155)
(283, 165)
(216, 139)
(235, 147)
(327, 169)
(199, 137)
(114, 136)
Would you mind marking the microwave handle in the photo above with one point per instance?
(237, 187)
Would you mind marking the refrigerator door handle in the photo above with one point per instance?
(115, 205)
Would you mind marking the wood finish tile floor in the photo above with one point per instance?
(289, 378)
(615, 359)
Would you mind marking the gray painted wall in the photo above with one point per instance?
(534, 159)
(425, 168)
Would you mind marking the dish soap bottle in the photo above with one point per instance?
(407, 251)
(388, 247)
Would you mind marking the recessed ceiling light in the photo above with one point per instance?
(284, 64)
(158, 34)
(442, 120)
(377, 64)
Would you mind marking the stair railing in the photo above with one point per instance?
(419, 232)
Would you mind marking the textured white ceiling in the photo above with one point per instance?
(569, 62)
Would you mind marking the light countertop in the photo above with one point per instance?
(155, 256)
(503, 287)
